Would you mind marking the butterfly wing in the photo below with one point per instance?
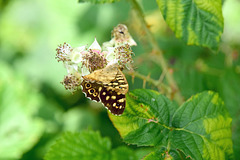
(91, 90)
(114, 101)
(119, 83)
(109, 86)
(113, 94)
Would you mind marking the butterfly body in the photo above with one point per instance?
(107, 85)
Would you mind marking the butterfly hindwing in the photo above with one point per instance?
(114, 101)
(91, 90)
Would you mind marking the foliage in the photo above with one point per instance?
(196, 22)
(38, 118)
(18, 105)
(86, 145)
(200, 128)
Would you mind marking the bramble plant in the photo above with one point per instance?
(172, 128)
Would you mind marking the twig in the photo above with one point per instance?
(157, 53)
(161, 86)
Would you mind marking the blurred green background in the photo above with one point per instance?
(35, 108)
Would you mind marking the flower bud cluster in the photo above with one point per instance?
(81, 61)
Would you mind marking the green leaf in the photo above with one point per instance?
(123, 152)
(99, 1)
(20, 129)
(203, 128)
(199, 129)
(229, 89)
(146, 119)
(164, 154)
(195, 22)
(86, 145)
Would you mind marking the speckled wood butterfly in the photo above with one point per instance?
(107, 85)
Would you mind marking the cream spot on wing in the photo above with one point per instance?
(121, 100)
(114, 104)
(120, 107)
(115, 84)
(104, 93)
(99, 89)
(107, 98)
(123, 85)
(113, 97)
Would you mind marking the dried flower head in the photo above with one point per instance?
(63, 52)
(71, 83)
(124, 55)
(122, 36)
(94, 60)
(81, 61)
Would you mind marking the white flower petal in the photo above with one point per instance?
(85, 71)
(111, 55)
(79, 49)
(76, 55)
(95, 46)
(110, 49)
(132, 42)
(75, 67)
(115, 61)
(107, 44)
(68, 67)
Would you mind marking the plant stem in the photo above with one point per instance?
(161, 86)
(157, 53)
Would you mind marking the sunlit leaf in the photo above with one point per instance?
(203, 128)
(200, 128)
(163, 154)
(197, 22)
(146, 119)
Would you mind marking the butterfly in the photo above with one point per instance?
(107, 85)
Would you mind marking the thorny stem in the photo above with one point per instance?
(157, 53)
(161, 86)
